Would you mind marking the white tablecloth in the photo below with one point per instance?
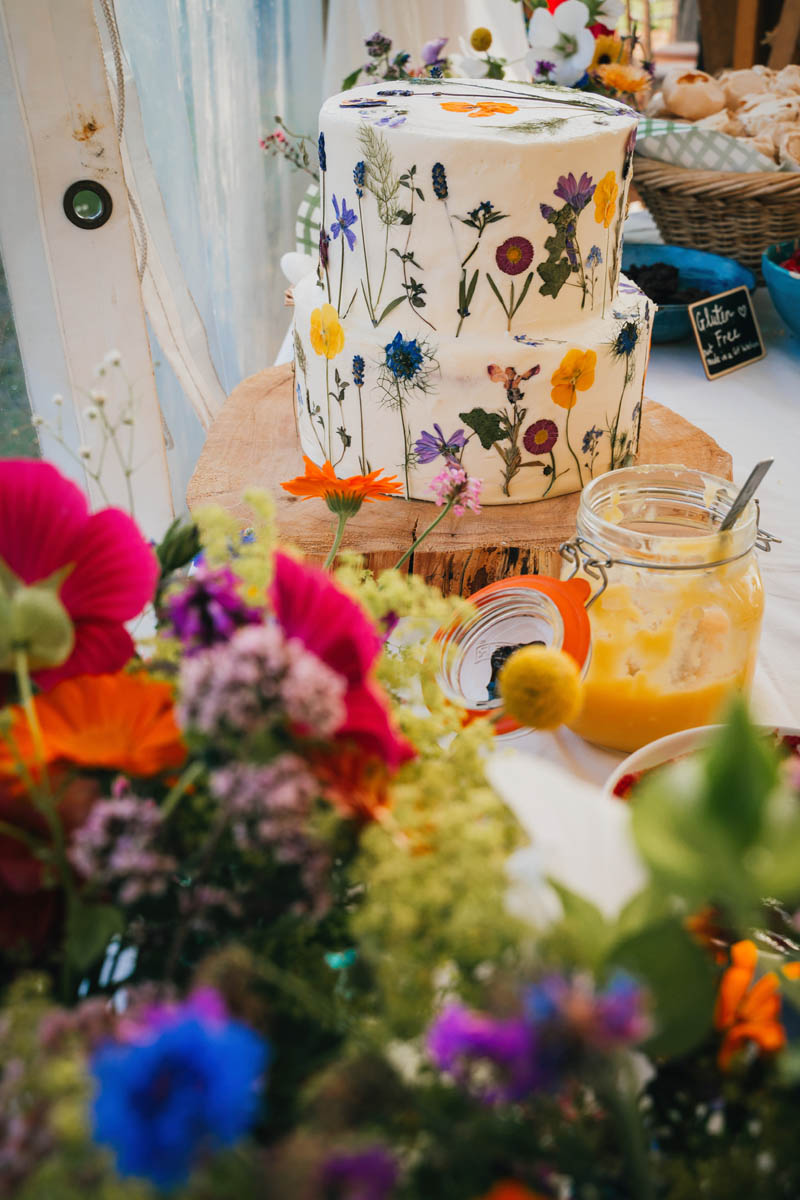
(753, 413)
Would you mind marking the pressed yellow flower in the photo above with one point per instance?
(327, 335)
(608, 48)
(624, 78)
(574, 374)
(605, 199)
(480, 39)
(540, 687)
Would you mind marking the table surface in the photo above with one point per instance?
(753, 413)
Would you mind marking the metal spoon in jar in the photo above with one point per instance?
(746, 494)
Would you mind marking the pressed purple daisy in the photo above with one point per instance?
(514, 256)
(541, 436)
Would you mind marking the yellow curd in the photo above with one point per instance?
(675, 632)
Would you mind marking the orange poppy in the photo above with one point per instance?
(482, 108)
(746, 1011)
(355, 784)
(322, 483)
(116, 722)
(574, 374)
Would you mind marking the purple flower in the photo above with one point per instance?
(454, 486)
(324, 243)
(621, 1012)
(368, 1174)
(378, 44)
(432, 51)
(344, 220)
(208, 609)
(541, 436)
(392, 120)
(594, 258)
(463, 1044)
(567, 1010)
(116, 847)
(547, 211)
(544, 67)
(429, 445)
(576, 193)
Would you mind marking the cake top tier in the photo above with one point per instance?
(459, 203)
(483, 109)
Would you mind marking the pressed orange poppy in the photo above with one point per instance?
(747, 1011)
(482, 108)
(323, 483)
(118, 722)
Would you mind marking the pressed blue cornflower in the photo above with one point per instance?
(163, 1102)
(359, 172)
(590, 439)
(323, 158)
(358, 370)
(626, 339)
(403, 358)
(594, 258)
(439, 180)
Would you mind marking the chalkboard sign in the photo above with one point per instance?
(727, 332)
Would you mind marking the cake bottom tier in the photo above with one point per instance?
(532, 414)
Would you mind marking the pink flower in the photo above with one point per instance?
(454, 485)
(46, 526)
(279, 135)
(336, 629)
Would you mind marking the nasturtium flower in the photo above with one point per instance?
(69, 579)
(327, 335)
(605, 199)
(574, 374)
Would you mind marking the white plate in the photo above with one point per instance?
(656, 754)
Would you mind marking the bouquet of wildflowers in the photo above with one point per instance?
(256, 934)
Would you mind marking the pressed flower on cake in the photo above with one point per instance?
(327, 335)
(574, 374)
(605, 199)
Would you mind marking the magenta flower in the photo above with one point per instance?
(453, 486)
(107, 571)
(541, 436)
(332, 626)
(208, 609)
(514, 256)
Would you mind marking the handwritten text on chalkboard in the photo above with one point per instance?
(727, 332)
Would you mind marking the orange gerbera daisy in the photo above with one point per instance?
(482, 108)
(746, 1011)
(625, 78)
(574, 374)
(116, 722)
(341, 495)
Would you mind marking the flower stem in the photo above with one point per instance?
(572, 452)
(552, 476)
(368, 292)
(425, 533)
(328, 402)
(343, 519)
(362, 464)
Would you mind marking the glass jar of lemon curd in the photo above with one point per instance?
(676, 612)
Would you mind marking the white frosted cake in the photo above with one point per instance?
(468, 301)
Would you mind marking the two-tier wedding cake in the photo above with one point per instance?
(468, 301)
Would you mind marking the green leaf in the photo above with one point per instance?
(495, 69)
(90, 927)
(740, 772)
(583, 934)
(494, 288)
(389, 308)
(555, 275)
(487, 426)
(351, 79)
(681, 980)
(523, 293)
(471, 289)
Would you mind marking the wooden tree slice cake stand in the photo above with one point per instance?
(254, 443)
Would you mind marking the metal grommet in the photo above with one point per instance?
(87, 204)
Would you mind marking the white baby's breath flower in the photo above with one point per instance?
(113, 358)
(85, 452)
(91, 413)
(99, 397)
(58, 400)
(128, 419)
(37, 420)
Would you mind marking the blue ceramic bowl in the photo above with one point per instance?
(696, 268)
(784, 287)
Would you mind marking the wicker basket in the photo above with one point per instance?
(737, 215)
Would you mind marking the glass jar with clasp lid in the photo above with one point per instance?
(660, 610)
(676, 613)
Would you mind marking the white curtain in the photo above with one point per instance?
(412, 23)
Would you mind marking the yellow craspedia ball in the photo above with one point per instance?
(480, 39)
(540, 687)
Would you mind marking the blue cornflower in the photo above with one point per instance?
(626, 339)
(344, 220)
(590, 439)
(594, 258)
(323, 158)
(439, 181)
(358, 370)
(163, 1102)
(403, 359)
(359, 172)
(429, 445)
